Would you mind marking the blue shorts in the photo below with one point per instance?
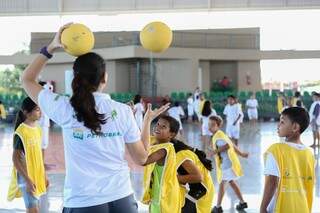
(30, 201)
(123, 205)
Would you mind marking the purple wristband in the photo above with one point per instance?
(45, 52)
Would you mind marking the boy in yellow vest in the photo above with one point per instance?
(289, 167)
(28, 176)
(227, 163)
(161, 183)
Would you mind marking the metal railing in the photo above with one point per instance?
(196, 40)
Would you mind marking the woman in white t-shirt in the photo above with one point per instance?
(207, 111)
(138, 110)
(96, 131)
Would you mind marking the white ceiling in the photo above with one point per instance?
(61, 7)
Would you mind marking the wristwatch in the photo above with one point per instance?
(45, 52)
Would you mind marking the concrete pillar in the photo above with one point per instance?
(205, 75)
(111, 70)
(249, 76)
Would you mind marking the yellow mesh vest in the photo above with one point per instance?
(169, 192)
(203, 204)
(236, 166)
(279, 105)
(31, 139)
(3, 112)
(297, 177)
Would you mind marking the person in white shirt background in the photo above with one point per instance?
(96, 130)
(314, 114)
(190, 107)
(233, 115)
(196, 107)
(206, 134)
(196, 93)
(44, 123)
(139, 109)
(177, 112)
(252, 110)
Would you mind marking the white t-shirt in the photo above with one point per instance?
(232, 112)
(226, 162)
(196, 106)
(252, 103)
(190, 106)
(96, 169)
(271, 168)
(44, 121)
(312, 117)
(205, 123)
(176, 112)
(138, 107)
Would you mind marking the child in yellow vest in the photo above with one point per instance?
(196, 196)
(161, 180)
(227, 163)
(28, 175)
(3, 113)
(289, 167)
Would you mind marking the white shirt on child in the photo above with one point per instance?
(252, 103)
(205, 123)
(176, 112)
(226, 163)
(96, 169)
(232, 112)
(271, 168)
(138, 107)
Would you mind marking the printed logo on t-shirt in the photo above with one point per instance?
(104, 135)
(113, 116)
(78, 134)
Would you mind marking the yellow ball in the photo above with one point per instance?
(77, 39)
(156, 37)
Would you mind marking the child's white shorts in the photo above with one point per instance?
(228, 175)
(252, 114)
(233, 131)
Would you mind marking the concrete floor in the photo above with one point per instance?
(254, 140)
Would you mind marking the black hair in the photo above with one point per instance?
(298, 115)
(174, 125)
(136, 99)
(317, 94)
(42, 83)
(179, 146)
(176, 104)
(206, 111)
(232, 96)
(89, 72)
(27, 105)
(297, 94)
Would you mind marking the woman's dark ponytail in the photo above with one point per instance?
(179, 146)
(89, 72)
(203, 158)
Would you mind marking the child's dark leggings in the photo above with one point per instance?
(124, 205)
